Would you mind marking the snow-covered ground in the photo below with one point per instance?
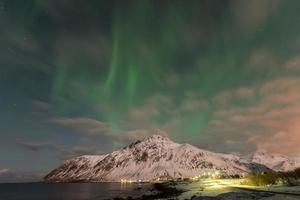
(228, 189)
(206, 188)
(248, 195)
(278, 188)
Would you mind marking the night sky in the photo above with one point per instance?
(84, 77)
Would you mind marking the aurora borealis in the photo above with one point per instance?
(81, 77)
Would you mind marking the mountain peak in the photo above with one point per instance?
(151, 140)
(153, 157)
(260, 152)
(156, 137)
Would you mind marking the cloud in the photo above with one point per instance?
(193, 105)
(270, 122)
(149, 114)
(4, 170)
(62, 152)
(92, 45)
(84, 126)
(41, 105)
(144, 116)
(35, 146)
(41, 110)
(268, 114)
(262, 58)
(293, 63)
(21, 41)
(91, 129)
(79, 150)
(227, 97)
(250, 15)
(74, 151)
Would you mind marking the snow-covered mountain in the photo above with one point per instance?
(275, 162)
(152, 158)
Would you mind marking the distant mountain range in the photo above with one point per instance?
(8, 176)
(274, 161)
(157, 157)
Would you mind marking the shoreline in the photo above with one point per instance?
(196, 190)
(159, 191)
(175, 191)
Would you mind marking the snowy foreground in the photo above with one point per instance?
(220, 189)
(228, 189)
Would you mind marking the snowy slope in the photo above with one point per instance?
(154, 157)
(275, 162)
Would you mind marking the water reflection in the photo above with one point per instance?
(71, 191)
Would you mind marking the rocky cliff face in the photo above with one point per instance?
(152, 158)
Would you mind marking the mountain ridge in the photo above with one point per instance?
(275, 162)
(155, 157)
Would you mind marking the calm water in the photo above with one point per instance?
(70, 191)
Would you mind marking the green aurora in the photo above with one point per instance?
(120, 67)
(150, 47)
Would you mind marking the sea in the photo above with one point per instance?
(71, 191)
